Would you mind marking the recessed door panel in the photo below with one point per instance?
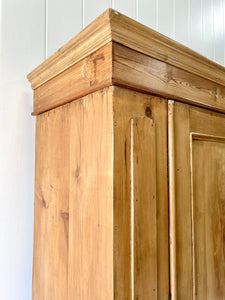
(208, 202)
(197, 219)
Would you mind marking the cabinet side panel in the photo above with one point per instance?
(129, 104)
(50, 262)
(91, 198)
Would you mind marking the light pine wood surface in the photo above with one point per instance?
(208, 171)
(130, 105)
(138, 71)
(73, 240)
(129, 196)
(103, 258)
(121, 66)
(51, 211)
(200, 221)
(91, 197)
(182, 202)
(93, 37)
(172, 201)
(143, 208)
(115, 49)
(90, 74)
(116, 27)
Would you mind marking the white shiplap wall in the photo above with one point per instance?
(32, 30)
(198, 24)
(22, 44)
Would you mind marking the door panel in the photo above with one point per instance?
(208, 202)
(199, 218)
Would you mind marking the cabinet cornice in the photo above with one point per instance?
(152, 48)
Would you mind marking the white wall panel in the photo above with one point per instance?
(127, 7)
(182, 21)
(166, 17)
(147, 12)
(22, 46)
(22, 37)
(92, 9)
(207, 27)
(63, 21)
(195, 29)
(218, 30)
(224, 31)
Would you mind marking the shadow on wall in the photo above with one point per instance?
(16, 191)
(22, 48)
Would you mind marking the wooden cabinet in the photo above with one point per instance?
(130, 168)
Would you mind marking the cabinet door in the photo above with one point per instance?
(197, 202)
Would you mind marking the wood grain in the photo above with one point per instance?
(141, 72)
(113, 26)
(142, 59)
(89, 40)
(127, 105)
(114, 63)
(88, 75)
(199, 163)
(143, 208)
(73, 230)
(183, 201)
(208, 219)
(91, 198)
(208, 171)
(172, 201)
(204, 121)
(51, 214)
(143, 39)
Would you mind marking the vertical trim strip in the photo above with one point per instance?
(132, 207)
(172, 206)
(192, 221)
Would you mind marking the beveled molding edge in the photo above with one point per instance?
(118, 65)
(141, 38)
(116, 27)
(90, 39)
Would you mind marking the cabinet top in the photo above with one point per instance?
(113, 26)
(116, 50)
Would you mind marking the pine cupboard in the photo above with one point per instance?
(130, 168)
